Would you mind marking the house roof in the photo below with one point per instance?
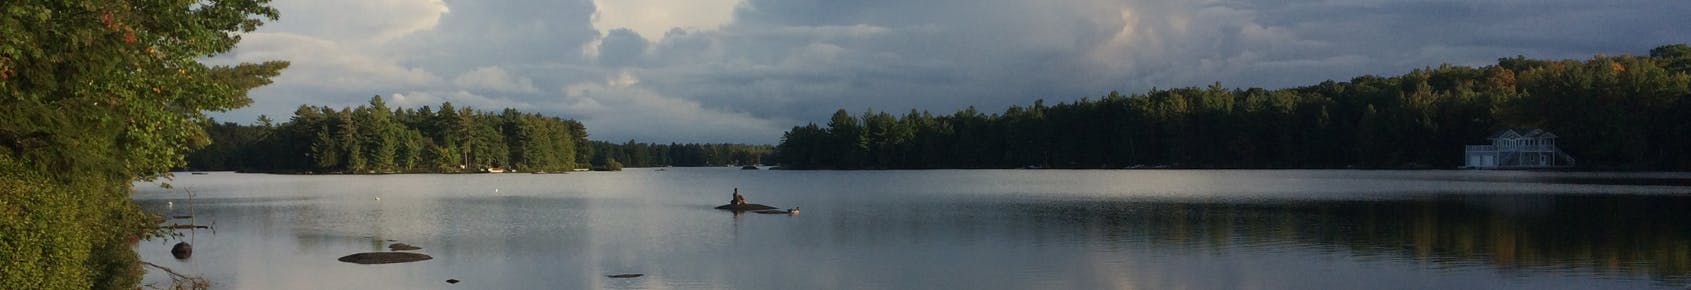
(1522, 133)
(1505, 133)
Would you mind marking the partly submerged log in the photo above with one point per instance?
(745, 207)
(384, 258)
(792, 211)
(403, 247)
(623, 276)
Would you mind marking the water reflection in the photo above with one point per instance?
(941, 229)
(1611, 235)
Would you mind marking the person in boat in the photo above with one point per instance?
(738, 199)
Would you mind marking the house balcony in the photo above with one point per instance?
(1547, 148)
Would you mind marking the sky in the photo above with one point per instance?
(744, 71)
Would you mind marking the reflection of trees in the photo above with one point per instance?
(1605, 234)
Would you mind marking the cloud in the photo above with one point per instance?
(325, 64)
(459, 98)
(657, 17)
(493, 78)
(363, 20)
(620, 104)
(741, 70)
(620, 47)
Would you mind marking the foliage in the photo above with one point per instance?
(361, 140)
(634, 154)
(376, 139)
(1608, 111)
(93, 95)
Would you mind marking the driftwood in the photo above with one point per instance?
(179, 281)
(625, 275)
(182, 226)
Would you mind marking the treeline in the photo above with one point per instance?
(375, 139)
(633, 154)
(1612, 112)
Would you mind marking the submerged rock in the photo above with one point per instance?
(384, 258)
(182, 250)
(403, 247)
(625, 275)
(738, 204)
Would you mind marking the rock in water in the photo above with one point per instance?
(625, 275)
(403, 247)
(384, 258)
(182, 250)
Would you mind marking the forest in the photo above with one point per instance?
(374, 138)
(634, 154)
(1612, 112)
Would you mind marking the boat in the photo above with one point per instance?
(749, 167)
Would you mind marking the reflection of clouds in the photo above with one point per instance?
(988, 229)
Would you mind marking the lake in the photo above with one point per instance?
(940, 229)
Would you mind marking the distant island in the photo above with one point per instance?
(374, 139)
(1614, 112)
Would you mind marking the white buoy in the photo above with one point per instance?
(495, 190)
(378, 198)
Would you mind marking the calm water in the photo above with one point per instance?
(942, 229)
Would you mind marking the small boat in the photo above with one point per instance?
(749, 167)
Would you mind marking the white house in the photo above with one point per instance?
(1518, 148)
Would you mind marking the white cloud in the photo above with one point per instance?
(459, 98)
(620, 104)
(326, 64)
(654, 18)
(495, 79)
(360, 20)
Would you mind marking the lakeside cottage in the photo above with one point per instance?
(1518, 148)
